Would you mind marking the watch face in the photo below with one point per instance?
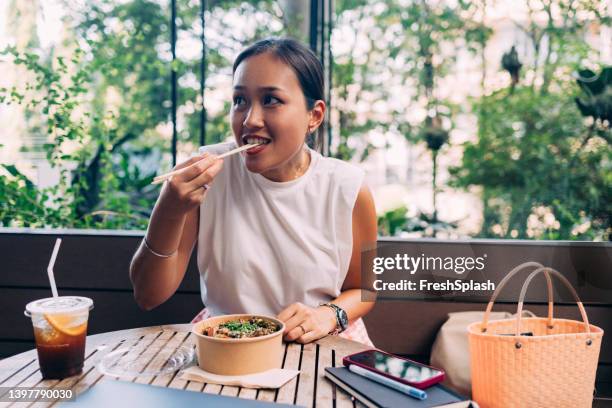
(342, 318)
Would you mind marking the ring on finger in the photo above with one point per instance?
(205, 186)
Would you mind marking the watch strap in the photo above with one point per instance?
(337, 311)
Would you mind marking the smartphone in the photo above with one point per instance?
(397, 368)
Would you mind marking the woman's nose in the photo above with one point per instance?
(254, 118)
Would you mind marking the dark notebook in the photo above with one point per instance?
(113, 393)
(373, 394)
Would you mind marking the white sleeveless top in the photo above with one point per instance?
(263, 245)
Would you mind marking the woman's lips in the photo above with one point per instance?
(256, 150)
(263, 142)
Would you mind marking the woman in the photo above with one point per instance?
(279, 228)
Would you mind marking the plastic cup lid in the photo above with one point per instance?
(128, 359)
(57, 305)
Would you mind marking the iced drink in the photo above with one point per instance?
(60, 328)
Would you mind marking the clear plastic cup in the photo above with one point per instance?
(60, 329)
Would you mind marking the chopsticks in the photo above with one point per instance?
(163, 177)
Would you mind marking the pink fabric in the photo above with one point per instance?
(355, 332)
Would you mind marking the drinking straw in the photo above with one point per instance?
(50, 267)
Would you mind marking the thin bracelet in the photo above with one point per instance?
(146, 244)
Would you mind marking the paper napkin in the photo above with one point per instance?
(274, 378)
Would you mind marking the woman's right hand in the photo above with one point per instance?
(185, 190)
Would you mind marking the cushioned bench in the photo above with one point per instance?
(95, 264)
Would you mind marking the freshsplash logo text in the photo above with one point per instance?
(414, 264)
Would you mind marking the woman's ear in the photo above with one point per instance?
(317, 114)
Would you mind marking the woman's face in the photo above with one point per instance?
(268, 105)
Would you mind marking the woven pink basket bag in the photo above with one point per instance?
(555, 367)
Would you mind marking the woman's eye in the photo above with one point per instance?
(239, 100)
(270, 100)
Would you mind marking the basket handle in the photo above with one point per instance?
(568, 285)
(503, 283)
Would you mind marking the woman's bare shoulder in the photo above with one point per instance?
(364, 204)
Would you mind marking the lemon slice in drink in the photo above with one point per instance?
(65, 324)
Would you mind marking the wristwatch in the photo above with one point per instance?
(341, 317)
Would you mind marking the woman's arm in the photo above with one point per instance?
(365, 234)
(318, 322)
(154, 278)
(159, 264)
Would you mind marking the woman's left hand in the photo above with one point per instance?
(305, 324)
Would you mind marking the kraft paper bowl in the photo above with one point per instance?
(238, 356)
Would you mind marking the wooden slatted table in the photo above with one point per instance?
(308, 389)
